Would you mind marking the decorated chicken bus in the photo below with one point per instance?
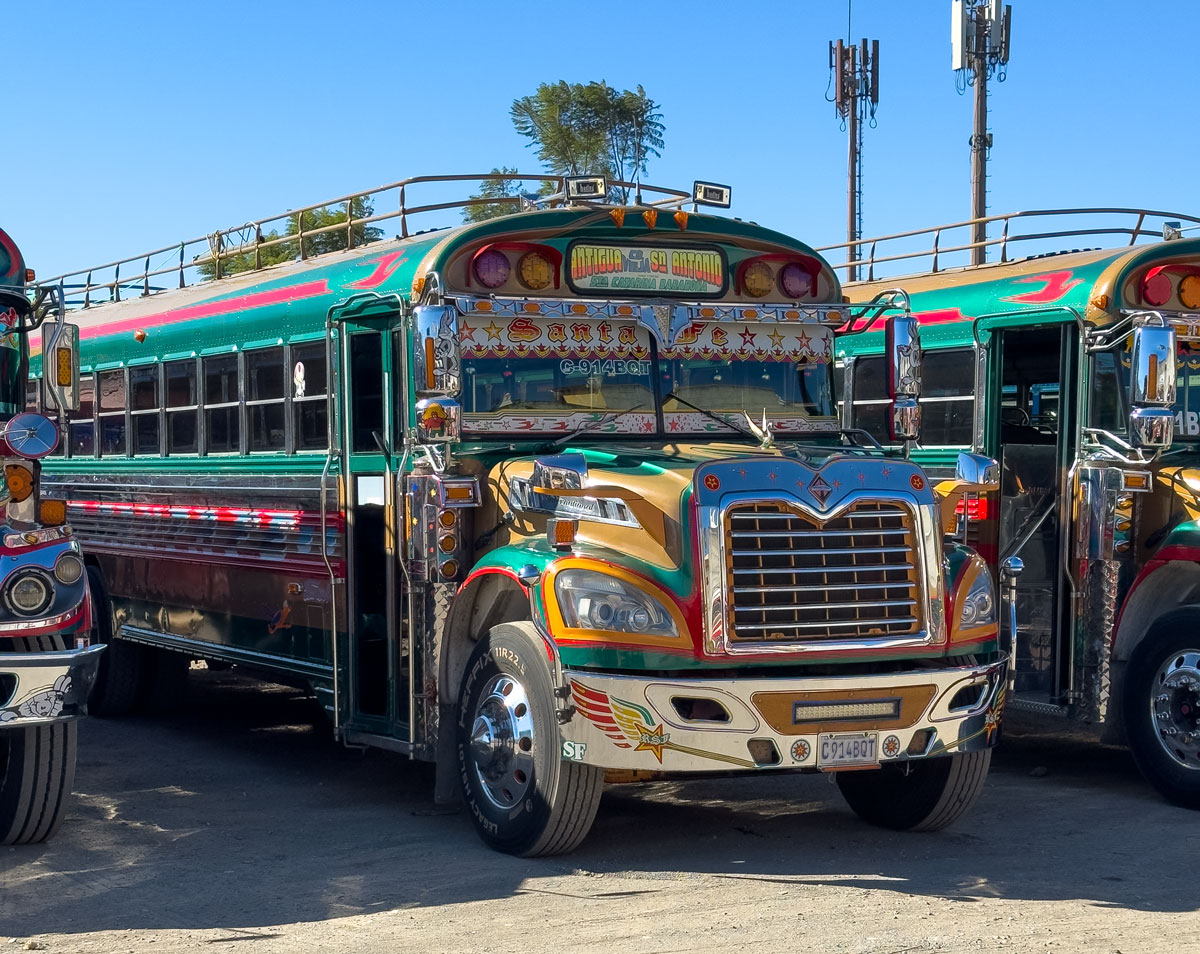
(46, 663)
(492, 491)
(1075, 369)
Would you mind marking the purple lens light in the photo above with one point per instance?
(492, 268)
(794, 281)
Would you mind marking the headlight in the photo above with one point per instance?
(592, 600)
(68, 568)
(979, 605)
(28, 594)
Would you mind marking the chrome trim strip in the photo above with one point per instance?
(206, 650)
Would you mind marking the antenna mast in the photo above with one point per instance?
(980, 33)
(854, 78)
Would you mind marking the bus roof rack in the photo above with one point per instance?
(356, 217)
(1136, 224)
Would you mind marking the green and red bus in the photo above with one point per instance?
(493, 492)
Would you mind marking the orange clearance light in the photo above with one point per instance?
(1189, 291)
(446, 518)
(19, 480)
(449, 569)
(650, 217)
(429, 364)
(448, 543)
(139, 336)
(534, 271)
(618, 217)
(681, 219)
(52, 513)
(757, 280)
(62, 367)
(460, 492)
(561, 533)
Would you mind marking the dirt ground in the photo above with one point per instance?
(236, 823)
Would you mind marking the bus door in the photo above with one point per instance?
(376, 668)
(1030, 431)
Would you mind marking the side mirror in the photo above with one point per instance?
(904, 377)
(984, 472)
(1152, 367)
(60, 368)
(439, 421)
(437, 366)
(1151, 428)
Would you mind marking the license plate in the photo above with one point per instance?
(839, 749)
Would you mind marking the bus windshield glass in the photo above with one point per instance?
(541, 376)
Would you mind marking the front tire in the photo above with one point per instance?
(1162, 708)
(523, 798)
(37, 769)
(121, 679)
(934, 794)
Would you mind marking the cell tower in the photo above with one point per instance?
(980, 33)
(854, 79)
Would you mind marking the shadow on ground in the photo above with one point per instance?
(238, 810)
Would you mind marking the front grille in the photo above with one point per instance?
(794, 579)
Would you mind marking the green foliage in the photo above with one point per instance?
(591, 129)
(332, 241)
(497, 188)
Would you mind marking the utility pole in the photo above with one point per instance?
(854, 79)
(980, 32)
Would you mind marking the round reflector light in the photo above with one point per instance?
(1189, 291)
(756, 280)
(492, 268)
(795, 281)
(28, 435)
(1156, 289)
(28, 594)
(534, 271)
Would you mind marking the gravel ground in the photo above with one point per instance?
(236, 820)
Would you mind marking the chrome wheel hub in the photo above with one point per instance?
(1175, 707)
(502, 742)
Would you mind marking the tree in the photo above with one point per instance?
(334, 240)
(497, 188)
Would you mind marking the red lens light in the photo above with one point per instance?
(1156, 289)
(794, 281)
(492, 268)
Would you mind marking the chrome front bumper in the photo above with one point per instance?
(635, 723)
(48, 687)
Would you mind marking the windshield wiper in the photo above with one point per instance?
(712, 416)
(607, 419)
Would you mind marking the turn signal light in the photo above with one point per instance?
(1156, 287)
(757, 280)
(19, 480)
(52, 513)
(1189, 291)
(561, 533)
(534, 271)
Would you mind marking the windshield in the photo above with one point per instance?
(540, 376)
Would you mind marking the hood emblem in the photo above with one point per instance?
(820, 489)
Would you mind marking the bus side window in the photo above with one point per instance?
(81, 433)
(32, 386)
(265, 397)
(111, 416)
(870, 398)
(310, 397)
(222, 414)
(183, 406)
(366, 397)
(948, 398)
(143, 409)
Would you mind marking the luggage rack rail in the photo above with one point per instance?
(241, 248)
(896, 247)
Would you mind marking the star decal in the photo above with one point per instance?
(674, 423)
(466, 332)
(776, 337)
(804, 339)
(654, 740)
(493, 331)
(748, 338)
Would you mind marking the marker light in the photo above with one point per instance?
(756, 280)
(19, 480)
(1189, 291)
(1156, 288)
(492, 268)
(52, 513)
(794, 281)
(534, 271)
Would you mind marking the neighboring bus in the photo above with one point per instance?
(491, 492)
(1030, 361)
(46, 664)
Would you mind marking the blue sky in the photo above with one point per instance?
(144, 124)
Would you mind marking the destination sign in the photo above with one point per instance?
(646, 270)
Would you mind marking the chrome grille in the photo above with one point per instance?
(793, 579)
